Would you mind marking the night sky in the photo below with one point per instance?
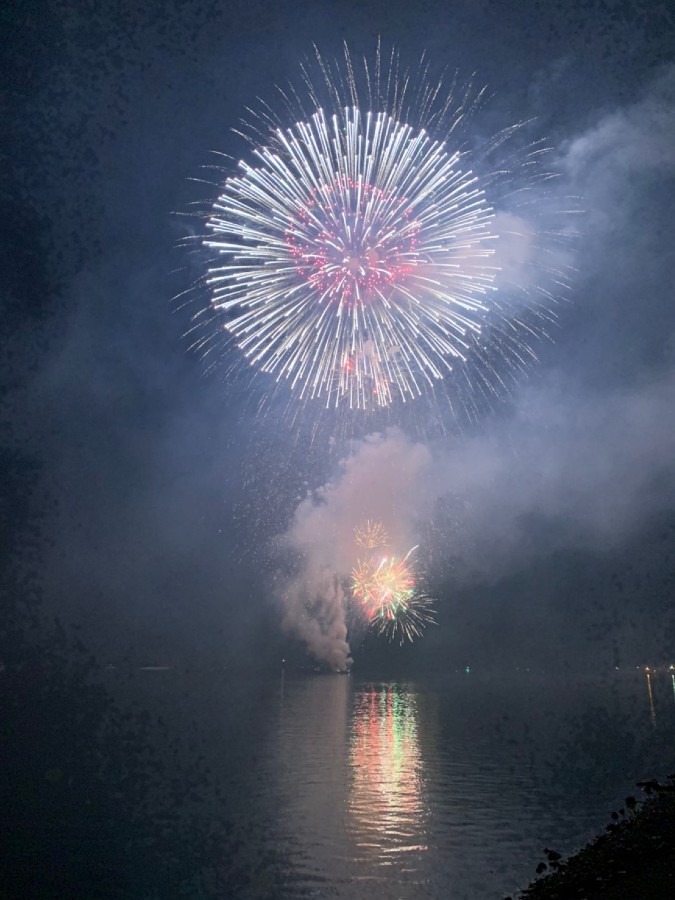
(143, 497)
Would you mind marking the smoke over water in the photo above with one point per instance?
(582, 457)
(564, 472)
(386, 478)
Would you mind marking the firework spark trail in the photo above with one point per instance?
(353, 256)
(366, 254)
(356, 258)
(392, 596)
(408, 620)
(371, 534)
(385, 482)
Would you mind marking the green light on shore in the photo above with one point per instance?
(468, 669)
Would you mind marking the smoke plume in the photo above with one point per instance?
(582, 457)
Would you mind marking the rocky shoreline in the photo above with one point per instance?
(633, 860)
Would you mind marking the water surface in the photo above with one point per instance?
(447, 787)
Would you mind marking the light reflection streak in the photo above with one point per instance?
(652, 708)
(386, 806)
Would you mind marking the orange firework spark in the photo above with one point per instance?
(392, 596)
(371, 534)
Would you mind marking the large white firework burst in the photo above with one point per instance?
(353, 254)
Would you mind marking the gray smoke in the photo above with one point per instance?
(586, 454)
(387, 478)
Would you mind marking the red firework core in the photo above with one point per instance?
(352, 241)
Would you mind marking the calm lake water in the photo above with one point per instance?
(345, 787)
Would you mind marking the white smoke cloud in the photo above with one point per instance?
(388, 478)
(633, 138)
(580, 460)
(593, 469)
